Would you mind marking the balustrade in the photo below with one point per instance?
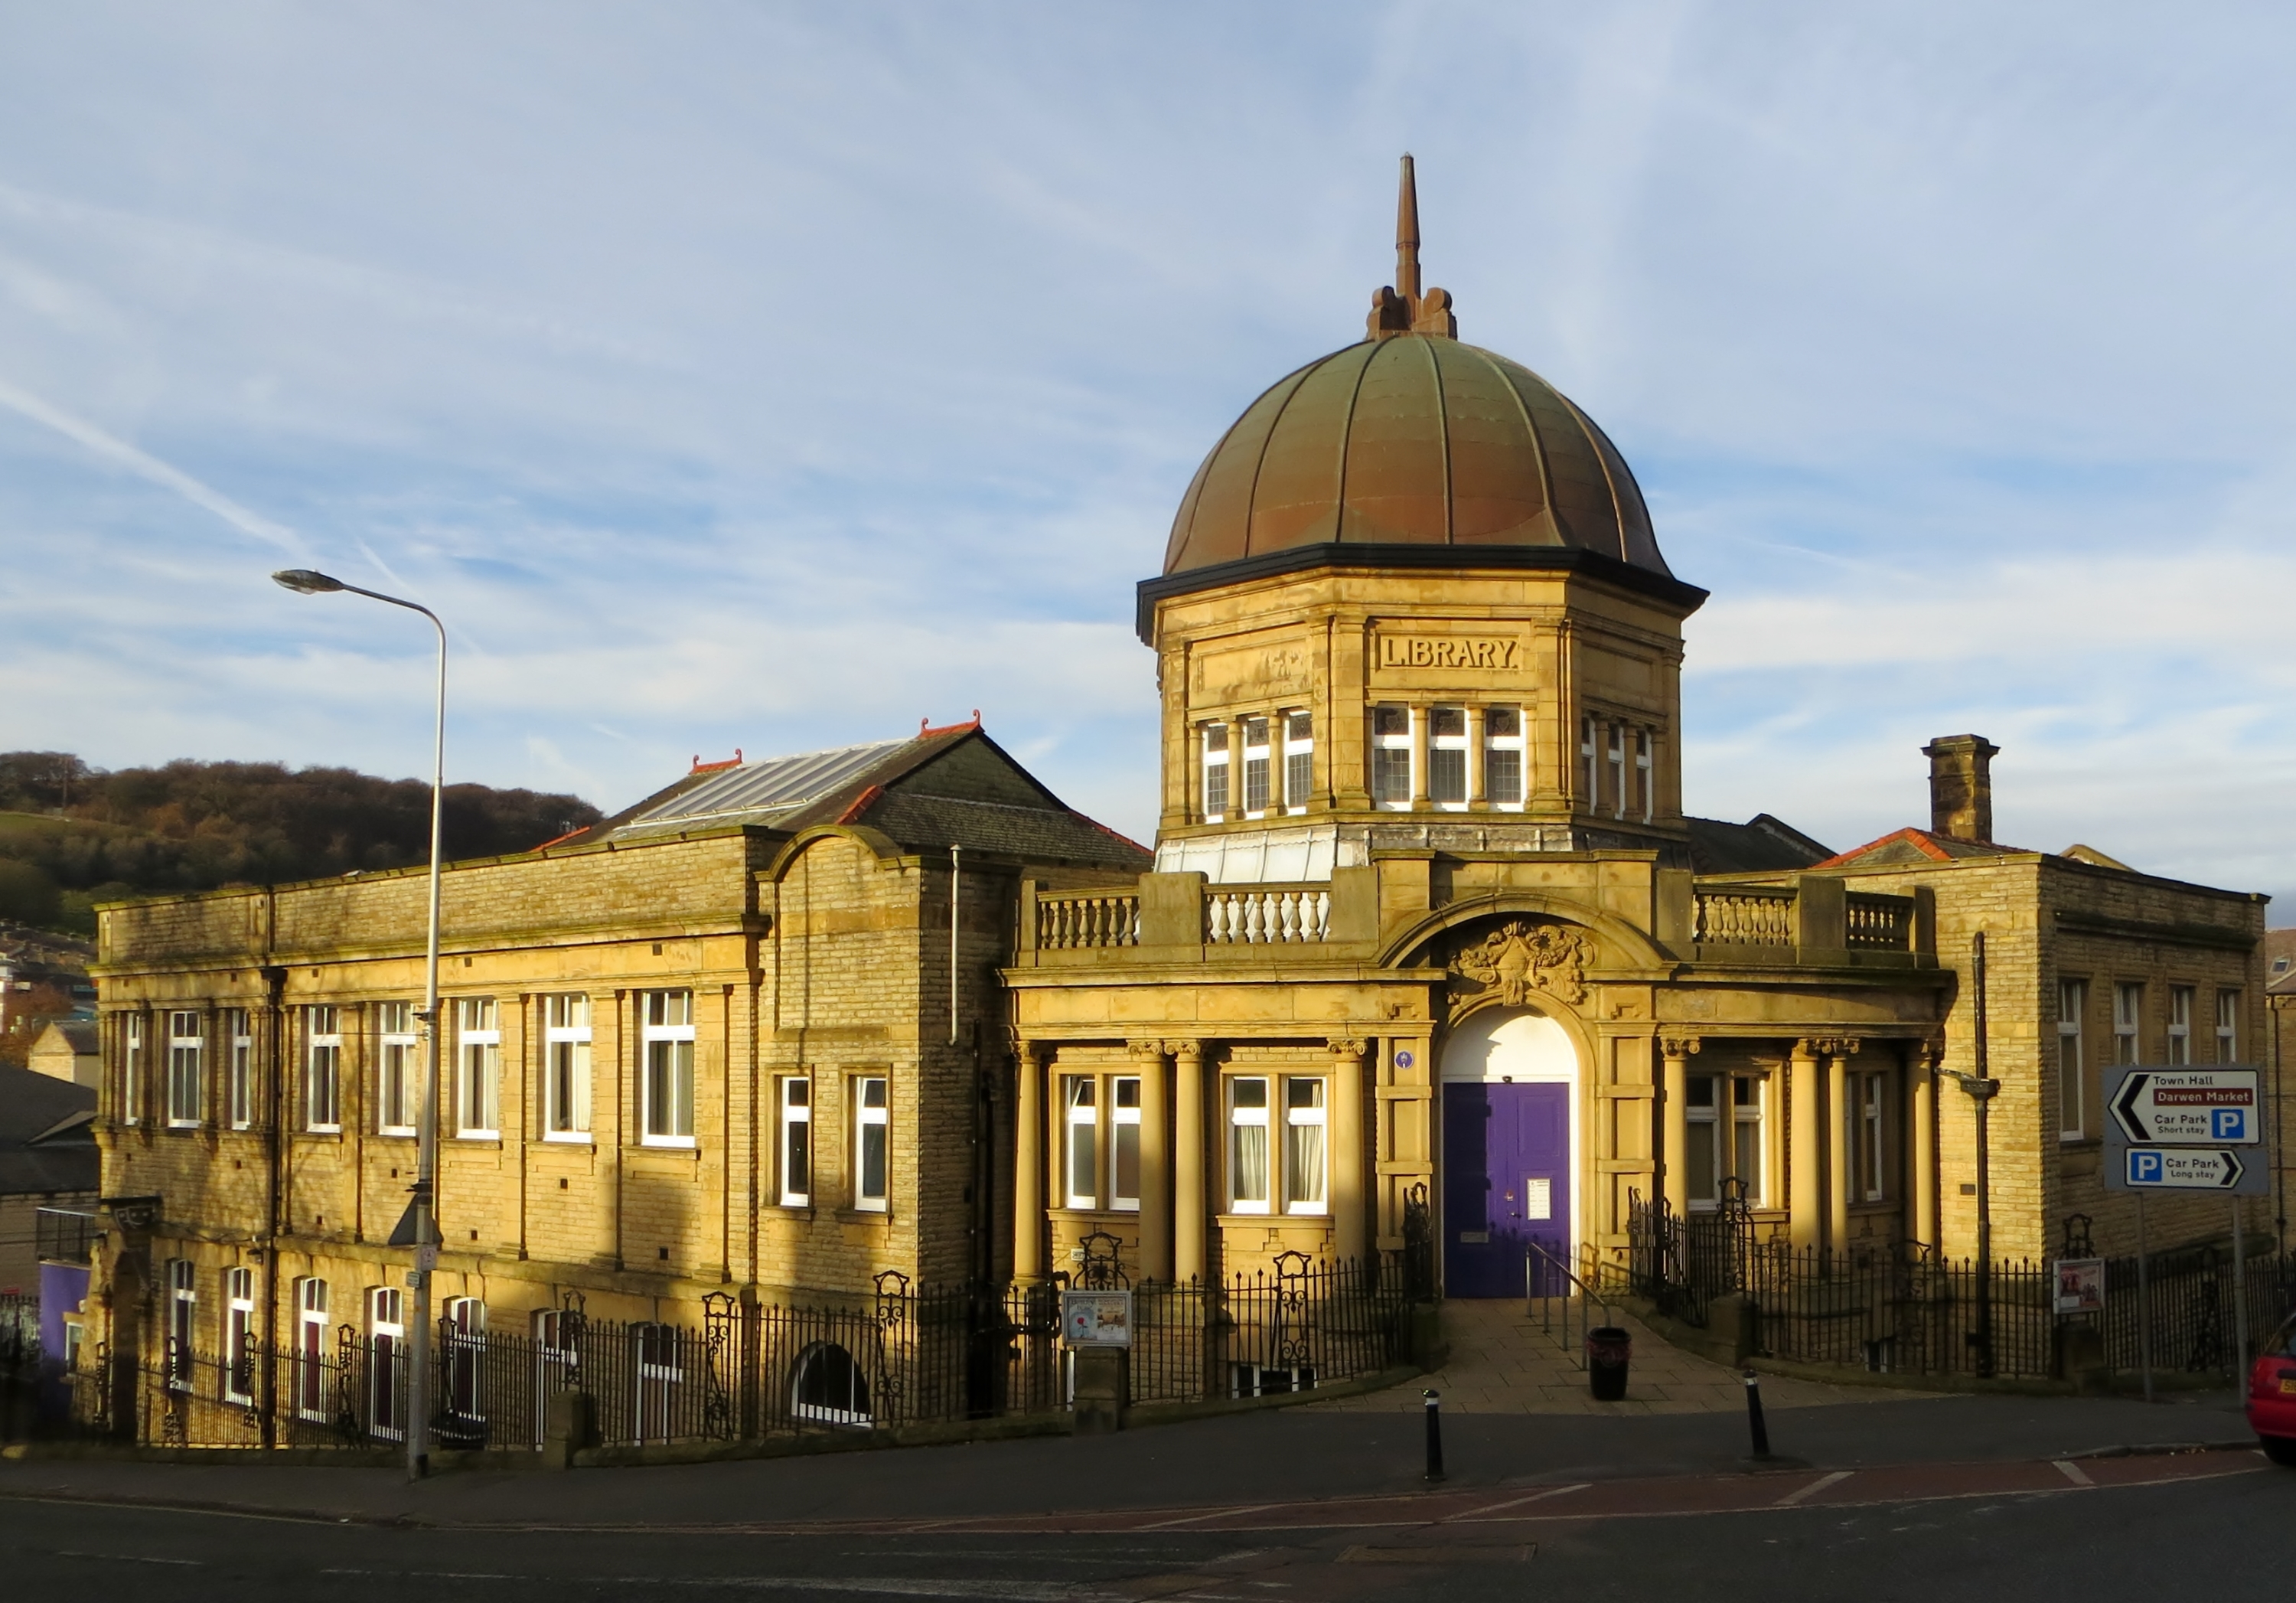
(1068, 919)
(1880, 923)
(1265, 915)
(1745, 918)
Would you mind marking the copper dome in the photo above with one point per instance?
(1412, 439)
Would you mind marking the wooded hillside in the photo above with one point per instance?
(71, 835)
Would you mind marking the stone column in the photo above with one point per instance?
(1189, 1222)
(1420, 788)
(1029, 1163)
(1155, 1165)
(1840, 1157)
(1344, 1180)
(1923, 1181)
(1802, 1129)
(1478, 788)
(1677, 1051)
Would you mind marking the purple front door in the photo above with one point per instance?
(1507, 1183)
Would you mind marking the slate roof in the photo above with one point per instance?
(47, 1139)
(2280, 963)
(1762, 844)
(950, 786)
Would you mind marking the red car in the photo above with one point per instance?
(2272, 1395)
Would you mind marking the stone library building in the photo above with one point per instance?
(1426, 965)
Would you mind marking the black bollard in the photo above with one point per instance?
(1434, 1436)
(1761, 1431)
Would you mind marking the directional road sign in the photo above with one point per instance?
(2188, 1107)
(2222, 1170)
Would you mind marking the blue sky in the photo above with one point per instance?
(774, 376)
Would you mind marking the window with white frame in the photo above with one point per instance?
(566, 1067)
(1748, 1099)
(238, 1032)
(797, 1141)
(386, 1328)
(1703, 1161)
(1299, 761)
(557, 1361)
(183, 1316)
(665, 1034)
(1590, 761)
(1216, 766)
(2180, 1024)
(1447, 757)
(397, 1047)
(1080, 1140)
(307, 1381)
(1255, 767)
(1391, 757)
(464, 1330)
(872, 1136)
(1724, 1115)
(1503, 754)
(2128, 1012)
(1615, 746)
(1305, 1145)
(323, 1068)
(1247, 1178)
(661, 1371)
(2072, 1062)
(239, 1335)
(131, 1068)
(1645, 774)
(2227, 1027)
(1872, 1145)
(478, 1067)
(1124, 1144)
(187, 1044)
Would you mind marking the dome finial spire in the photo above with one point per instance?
(1406, 234)
(1400, 307)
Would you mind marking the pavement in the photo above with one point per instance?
(1504, 1359)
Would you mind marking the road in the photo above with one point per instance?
(2137, 1528)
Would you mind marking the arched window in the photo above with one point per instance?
(829, 1386)
(310, 1383)
(386, 1361)
(464, 1337)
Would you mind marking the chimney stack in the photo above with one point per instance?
(1960, 787)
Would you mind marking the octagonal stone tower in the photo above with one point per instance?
(1412, 599)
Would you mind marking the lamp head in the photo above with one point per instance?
(306, 581)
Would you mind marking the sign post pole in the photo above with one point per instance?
(2143, 1299)
(2239, 1301)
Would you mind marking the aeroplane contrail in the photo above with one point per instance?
(146, 466)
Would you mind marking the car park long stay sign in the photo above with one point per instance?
(2189, 1107)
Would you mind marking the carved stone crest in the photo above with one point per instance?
(1518, 957)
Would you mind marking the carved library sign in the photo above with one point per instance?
(1446, 650)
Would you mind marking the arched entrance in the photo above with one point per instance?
(1510, 1142)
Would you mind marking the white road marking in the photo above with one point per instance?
(2073, 1472)
(1816, 1486)
(1536, 1497)
(1189, 1519)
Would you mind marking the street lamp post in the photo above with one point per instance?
(419, 1228)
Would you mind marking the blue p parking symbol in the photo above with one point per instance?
(2144, 1168)
(2229, 1123)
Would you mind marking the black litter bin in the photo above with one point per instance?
(1609, 1350)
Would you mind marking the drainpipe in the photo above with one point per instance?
(274, 983)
